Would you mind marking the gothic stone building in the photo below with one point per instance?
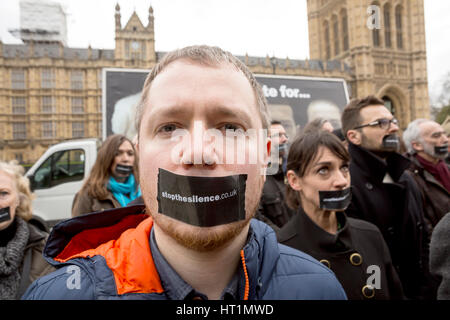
(50, 92)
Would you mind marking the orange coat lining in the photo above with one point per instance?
(129, 258)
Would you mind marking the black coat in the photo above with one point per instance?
(356, 246)
(396, 209)
(272, 208)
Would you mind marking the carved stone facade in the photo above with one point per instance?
(50, 93)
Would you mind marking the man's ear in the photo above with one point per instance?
(417, 146)
(354, 136)
(294, 180)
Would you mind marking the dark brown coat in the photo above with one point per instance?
(83, 203)
(436, 199)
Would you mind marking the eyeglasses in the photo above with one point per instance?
(382, 123)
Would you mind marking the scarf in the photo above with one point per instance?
(124, 192)
(439, 171)
(11, 257)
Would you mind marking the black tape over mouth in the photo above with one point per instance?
(202, 201)
(124, 170)
(441, 150)
(391, 142)
(5, 214)
(335, 200)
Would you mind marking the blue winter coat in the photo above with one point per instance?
(107, 255)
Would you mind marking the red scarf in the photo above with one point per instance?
(439, 171)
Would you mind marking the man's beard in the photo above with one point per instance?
(204, 239)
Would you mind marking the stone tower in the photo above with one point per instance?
(384, 43)
(135, 43)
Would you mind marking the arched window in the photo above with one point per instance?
(344, 30)
(326, 28)
(336, 37)
(399, 26)
(389, 104)
(376, 28)
(387, 26)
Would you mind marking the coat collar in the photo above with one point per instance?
(395, 163)
(308, 232)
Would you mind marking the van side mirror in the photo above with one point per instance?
(32, 182)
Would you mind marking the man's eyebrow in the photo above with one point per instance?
(230, 112)
(169, 112)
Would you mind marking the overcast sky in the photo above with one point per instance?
(256, 27)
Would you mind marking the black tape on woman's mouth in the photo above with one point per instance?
(5, 214)
(335, 200)
(123, 169)
(202, 201)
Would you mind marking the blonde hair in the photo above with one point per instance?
(16, 172)
(211, 57)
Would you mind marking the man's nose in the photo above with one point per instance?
(199, 148)
(393, 127)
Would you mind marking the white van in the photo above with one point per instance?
(58, 175)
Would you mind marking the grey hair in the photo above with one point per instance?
(413, 134)
(208, 56)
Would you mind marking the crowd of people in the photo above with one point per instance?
(346, 215)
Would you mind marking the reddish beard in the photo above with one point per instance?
(202, 239)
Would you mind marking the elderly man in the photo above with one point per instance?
(195, 238)
(384, 195)
(427, 146)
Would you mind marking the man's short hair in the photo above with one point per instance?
(275, 122)
(207, 56)
(351, 116)
(413, 134)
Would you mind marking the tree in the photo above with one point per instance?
(442, 115)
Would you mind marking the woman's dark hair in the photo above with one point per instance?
(96, 183)
(304, 150)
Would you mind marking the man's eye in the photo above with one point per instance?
(168, 128)
(3, 193)
(230, 126)
(345, 168)
(322, 171)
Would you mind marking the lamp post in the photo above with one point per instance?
(273, 62)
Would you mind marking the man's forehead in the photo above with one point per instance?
(278, 127)
(430, 127)
(374, 112)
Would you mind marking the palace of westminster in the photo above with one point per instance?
(50, 92)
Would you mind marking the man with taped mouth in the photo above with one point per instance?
(384, 194)
(195, 237)
(427, 146)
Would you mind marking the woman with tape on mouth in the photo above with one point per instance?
(113, 180)
(22, 237)
(319, 189)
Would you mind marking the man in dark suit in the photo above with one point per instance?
(384, 195)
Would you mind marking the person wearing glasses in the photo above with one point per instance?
(272, 208)
(385, 195)
(427, 146)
